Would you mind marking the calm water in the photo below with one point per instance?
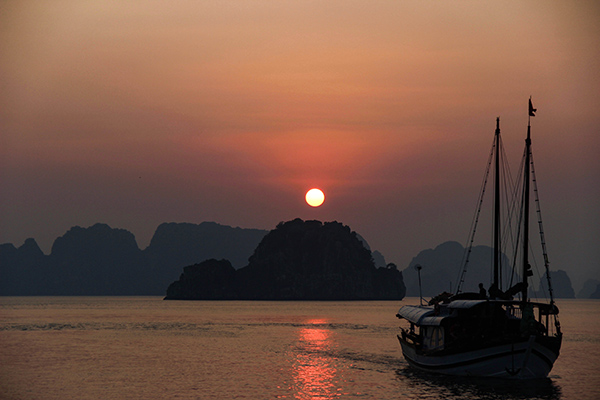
(146, 348)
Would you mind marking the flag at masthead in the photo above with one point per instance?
(531, 109)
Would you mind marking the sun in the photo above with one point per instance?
(315, 197)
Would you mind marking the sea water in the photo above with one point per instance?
(147, 348)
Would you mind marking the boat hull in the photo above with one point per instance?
(524, 360)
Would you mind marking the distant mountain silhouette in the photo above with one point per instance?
(298, 260)
(589, 287)
(98, 260)
(23, 270)
(561, 285)
(378, 258)
(596, 293)
(101, 260)
(175, 245)
(441, 270)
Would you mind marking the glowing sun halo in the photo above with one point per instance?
(315, 197)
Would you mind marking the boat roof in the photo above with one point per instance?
(426, 315)
(416, 314)
(420, 315)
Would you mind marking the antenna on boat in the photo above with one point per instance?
(418, 267)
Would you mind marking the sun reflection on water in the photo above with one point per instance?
(315, 372)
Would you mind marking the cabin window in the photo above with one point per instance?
(433, 337)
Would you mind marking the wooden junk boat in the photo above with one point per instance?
(473, 334)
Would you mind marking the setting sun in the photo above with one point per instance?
(315, 197)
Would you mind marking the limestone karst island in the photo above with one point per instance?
(298, 260)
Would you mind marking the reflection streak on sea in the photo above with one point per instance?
(315, 372)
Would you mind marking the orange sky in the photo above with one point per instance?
(146, 112)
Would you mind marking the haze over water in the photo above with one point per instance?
(147, 348)
(142, 112)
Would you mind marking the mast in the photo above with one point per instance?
(526, 267)
(497, 250)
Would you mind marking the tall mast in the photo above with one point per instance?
(497, 250)
(526, 179)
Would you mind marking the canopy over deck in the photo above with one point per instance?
(420, 315)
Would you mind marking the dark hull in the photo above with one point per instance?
(528, 359)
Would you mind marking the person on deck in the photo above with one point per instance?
(482, 292)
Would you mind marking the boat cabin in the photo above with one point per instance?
(466, 323)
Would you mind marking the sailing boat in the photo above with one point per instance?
(473, 334)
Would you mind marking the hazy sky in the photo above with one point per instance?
(137, 113)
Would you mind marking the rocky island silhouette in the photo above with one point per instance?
(298, 260)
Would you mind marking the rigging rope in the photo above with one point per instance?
(511, 201)
(474, 222)
(541, 228)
